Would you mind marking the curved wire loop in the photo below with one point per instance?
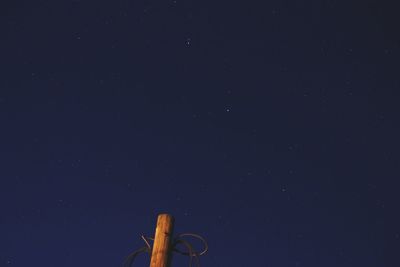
(131, 257)
(199, 237)
(190, 252)
(177, 240)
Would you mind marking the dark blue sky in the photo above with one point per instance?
(270, 128)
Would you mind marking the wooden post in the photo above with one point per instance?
(161, 254)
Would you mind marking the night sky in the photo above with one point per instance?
(271, 128)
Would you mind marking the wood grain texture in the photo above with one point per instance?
(161, 253)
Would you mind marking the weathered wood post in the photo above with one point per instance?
(161, 254)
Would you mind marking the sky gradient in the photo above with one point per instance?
(270, 128)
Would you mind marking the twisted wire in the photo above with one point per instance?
(179, 237)
(190, 251)
(193, 254)
(131, 257)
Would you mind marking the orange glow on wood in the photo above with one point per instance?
(161, 253)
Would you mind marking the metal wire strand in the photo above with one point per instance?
(178, 240)
(190, 253)
(146, 240)
(199, 237)
(131, 257)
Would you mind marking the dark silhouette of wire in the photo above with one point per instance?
(179, 239)
(131, 257)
